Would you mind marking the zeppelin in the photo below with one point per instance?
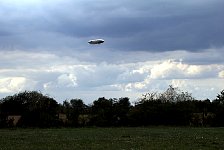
(96, 41)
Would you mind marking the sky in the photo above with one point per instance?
(149, 45)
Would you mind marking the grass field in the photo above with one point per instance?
(112, 138)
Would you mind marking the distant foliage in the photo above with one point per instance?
(172, 107)
(35, 109)
(170, 95)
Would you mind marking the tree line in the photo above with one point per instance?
(171, 107)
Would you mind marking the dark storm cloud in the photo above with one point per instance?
(141, 25)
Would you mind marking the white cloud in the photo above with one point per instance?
(67, 80)
(68, 76)
(221, 74)
(173, 69)
(15, 84)
(201, 88)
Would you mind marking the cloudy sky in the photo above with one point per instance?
(149, 45)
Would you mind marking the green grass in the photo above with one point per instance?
(112, 138)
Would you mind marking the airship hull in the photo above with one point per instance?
(96, 41)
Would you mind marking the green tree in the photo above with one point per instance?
(163, 108)
(174, 94)
(73, 110)
(121, 110)
(102, 111)
(220, 97)
(35, 108)
(218, 107)
(78, 108)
